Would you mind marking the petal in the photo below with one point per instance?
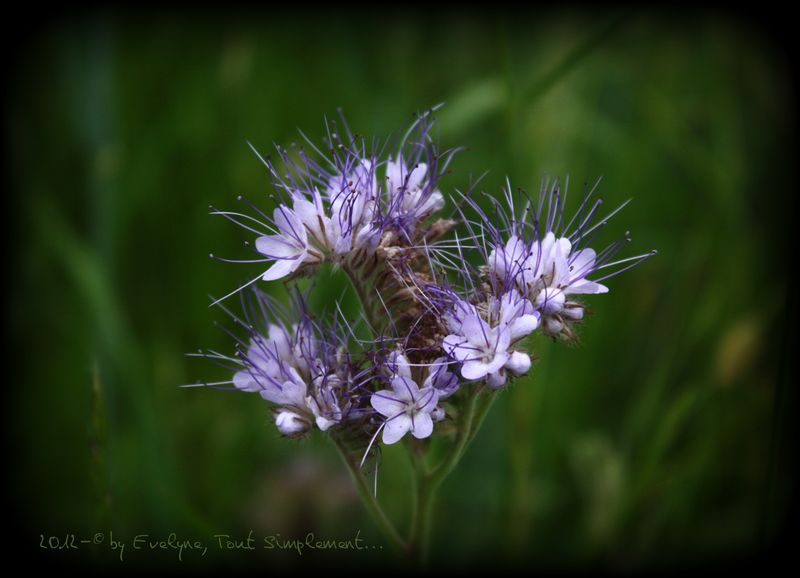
(245, 381)
(398, 364)
(550, 300)
(394, 174)
(387, 403)
(417, 176)
(311, 217)
(476, 330)
(474, 370)
(278, 247)
(273, 394)
(434, 202)
(422, 425)
(460, 349)
(586, 287)
(294, 393)
(518, 363)
(395, 428)
(281, 269)
(427, 399)
(279, 342)
(501, 339)
(289, 224)
(582, 263)
(290, 423)
(405, 388)
(564, 246)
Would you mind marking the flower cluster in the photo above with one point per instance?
(443, 310)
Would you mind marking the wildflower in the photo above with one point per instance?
(411, 193)
(406, 408)
(481, 338)
(552, 265)
(299, 368)
(335, 208)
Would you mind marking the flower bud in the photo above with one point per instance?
(291, 424)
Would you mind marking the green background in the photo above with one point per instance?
(657, 440)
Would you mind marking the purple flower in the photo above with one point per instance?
(339, 206)
(406, 408)
(548, 260)
(300, 367)
(481, 337)
(411, 193)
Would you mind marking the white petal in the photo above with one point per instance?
(417, 176)
(552, 326)
(244, 380)
(460, 349)
(585, 287)
(395, 428)
(550, 300)
(387, 403)
(289, 224)
(422, 425)
(311, 218)
(279, 342)
(477, 331)
(278, 247)
(395, 174)
(294, 393)
(582, 262)
(434, 202)
(405, 388)
(474, 369)
(427, 399)
(398, 363)
(281, 269)
(273, 394)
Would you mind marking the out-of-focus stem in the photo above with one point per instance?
(428, 483)
(371, 503)
(361, 285)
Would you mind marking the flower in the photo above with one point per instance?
(411, 194)
(298, 367)
(481, 337)
(406, 408)
(336, 208)
(548, 261)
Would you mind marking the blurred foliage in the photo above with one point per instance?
(654, 441)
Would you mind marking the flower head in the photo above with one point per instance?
(341, 206)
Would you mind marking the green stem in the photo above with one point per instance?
(371, 503)
(360, 286)
(428, 483)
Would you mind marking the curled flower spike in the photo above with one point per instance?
(298, 366)
(339, 207)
